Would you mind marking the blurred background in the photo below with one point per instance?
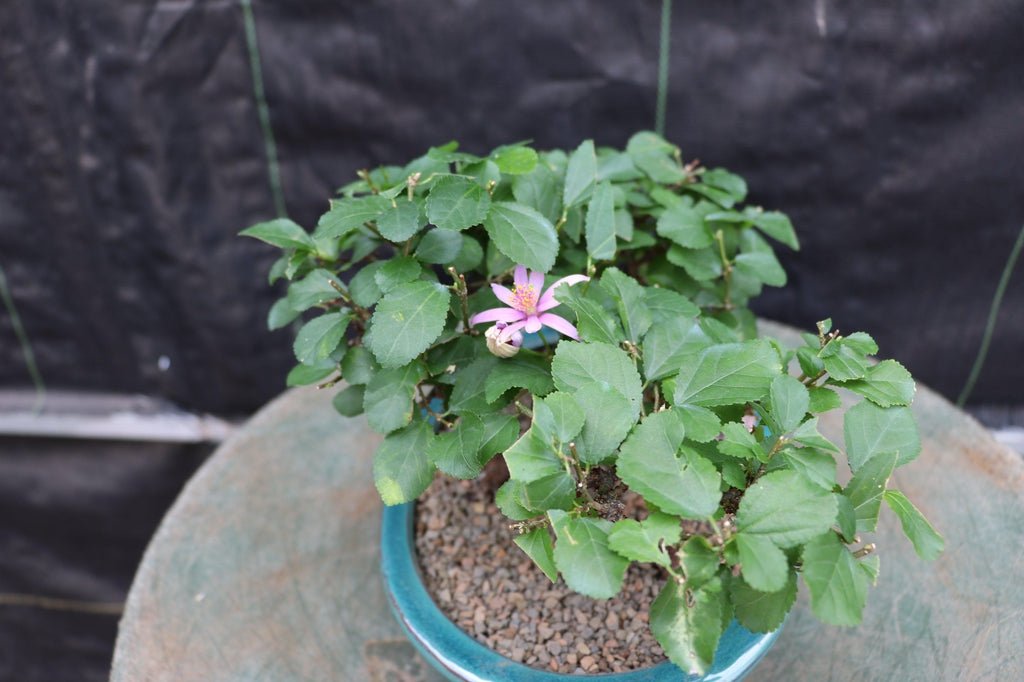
(133, 148)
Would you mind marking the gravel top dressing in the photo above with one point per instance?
(491, 589)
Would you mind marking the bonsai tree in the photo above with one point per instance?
(584, 316)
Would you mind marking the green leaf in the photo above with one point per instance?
(358, 365)
(688, 634)
(816, 466)
(556, 491)
(282, 233)
(700, 264)
(363, 286)
(777, 226)
(655, 157)
(526, 369)
(728, 374)
(580, 174)
(702, 425)
(320, 337)
(762, 266)
(349, 214)
(866, 487)
(457, 203)
(470, 255)
(869, 429)
(823, 399)
(861, 343)
(401, 470)
(927, 542)
(667, 306)
(455, 452)
(507, 499)
(577, 365)
(688, 486)
(388, 400)
(700, 561)
(789, 402)
(396, 271)
(670, 344)
(593, 322)
(844, 363)
(600, 224)
(559, 416)
(764, 565)
(684, 225)
(401, 221)
(407, 320)
(838, 586)
(540, 190)
(807, 434)
(729, 188)
(645, 540)
(314, 289)
(500, 431)
(786, 508)
(439, 246)
(470, 391)
(583, 557)
(886, 384)
(281, 314)
(515, 160)
(630, 300)
(738, 442)
(871, 565)
(532, 457)
(538, 546)
(349, 402)
(522, 234)
(304, 375)
(608, 418)
(762, 611)
(846, 519)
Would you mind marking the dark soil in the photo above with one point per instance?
(491, 589)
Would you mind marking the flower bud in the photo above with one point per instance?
(500, 346)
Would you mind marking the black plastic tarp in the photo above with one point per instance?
(892, 133)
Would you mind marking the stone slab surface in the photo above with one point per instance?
(266, 566)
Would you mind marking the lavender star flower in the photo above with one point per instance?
(527, 305)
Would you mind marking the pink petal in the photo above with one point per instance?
(560, 325)
(547, 301)
(497, 315)
(503, 294)
(509, 331)
(533, 324)
(520, 276)
(537, 281)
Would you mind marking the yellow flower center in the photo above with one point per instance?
(524, 299)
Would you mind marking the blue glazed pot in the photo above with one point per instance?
(461, 658)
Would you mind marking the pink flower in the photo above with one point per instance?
(527, 305)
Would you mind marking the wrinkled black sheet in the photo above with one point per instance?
(131, 155)
(75, 518)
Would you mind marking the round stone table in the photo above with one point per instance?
(265, 568)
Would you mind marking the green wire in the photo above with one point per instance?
(990, 326)
(273, 169)
(663, 63)
(26, 346)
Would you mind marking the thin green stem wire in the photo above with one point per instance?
(990, 326)
(26, 346)
(263, 111)
(663, 63)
